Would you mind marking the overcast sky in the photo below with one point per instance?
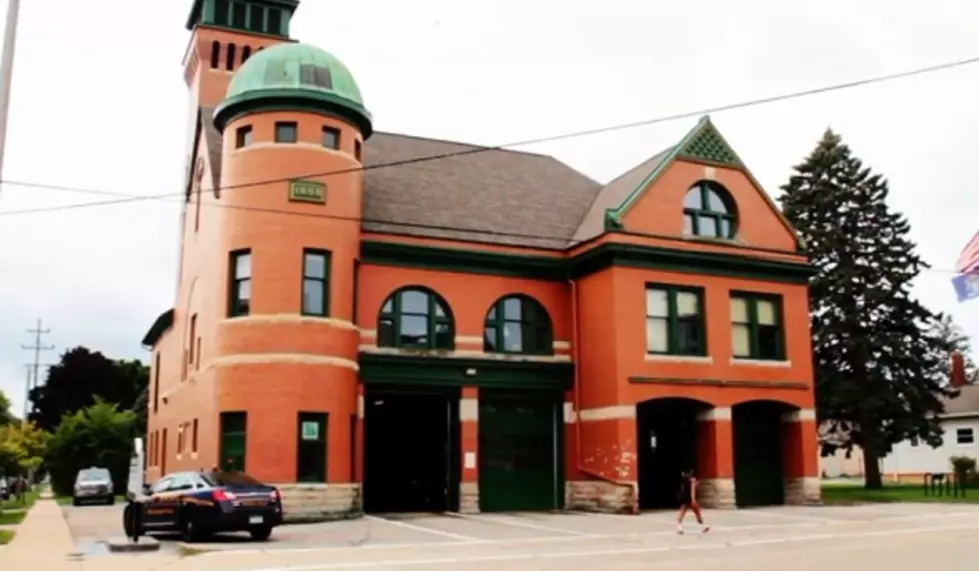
(99, 103)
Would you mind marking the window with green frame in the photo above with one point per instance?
(756, 326)
(311, 453)
(234, 428)
(708, 211)
(415, 318)
(518, 324)
(675, 322)
(316, 283)
(240, 283)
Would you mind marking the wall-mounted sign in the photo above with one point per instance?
(310, 431)
(307, 191)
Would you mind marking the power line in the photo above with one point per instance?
(127, 198)
(33, 368)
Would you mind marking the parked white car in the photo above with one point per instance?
(93, 485)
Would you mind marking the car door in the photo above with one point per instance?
(154, 505)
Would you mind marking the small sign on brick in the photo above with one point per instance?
(307, 191)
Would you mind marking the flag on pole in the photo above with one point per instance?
(966, 281)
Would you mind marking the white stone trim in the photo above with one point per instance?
(720, 413)
(799, 415)
(289, 318)
(368, 335)
(615, 412)
(468, 409)
(710, 173)
(561, 345)
(654, 358)
(569, 413)
(468, 339)
(305, 145)
(464, 354)
(360, 407)
(760, 363)
(296, 358)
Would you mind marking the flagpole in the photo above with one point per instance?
(7, 73)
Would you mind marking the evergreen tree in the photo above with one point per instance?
(880, 368)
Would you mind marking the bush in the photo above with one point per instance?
(965, 469)
(100, 435)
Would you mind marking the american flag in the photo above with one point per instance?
(969, 258)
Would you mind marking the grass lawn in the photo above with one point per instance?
(29, 499)
(841, 494)
(66, 501)
(12, 518)
(6, 536)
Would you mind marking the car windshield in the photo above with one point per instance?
(93, 475)
(232, 479)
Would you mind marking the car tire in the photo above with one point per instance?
(188, 529)
(76, 502)
(111, 501)
(260, 533)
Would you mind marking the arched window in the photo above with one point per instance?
(246, 53)
(518, 324)
(215, 54)
(708, 211)
(415, 318)
(230, 64)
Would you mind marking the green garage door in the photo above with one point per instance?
(518, 451)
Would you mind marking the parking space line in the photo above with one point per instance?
(777, 515)
(518, 523)
(458, 536)
(605, 551)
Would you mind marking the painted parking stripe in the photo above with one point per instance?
(458, 536)
(605, 552)
(519, 523)
(777, 514)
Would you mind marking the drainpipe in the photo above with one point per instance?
(575, 353)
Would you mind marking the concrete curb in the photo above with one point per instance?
(126, 545)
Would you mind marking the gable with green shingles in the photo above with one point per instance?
(703, 144)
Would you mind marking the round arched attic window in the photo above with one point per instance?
(708, 211)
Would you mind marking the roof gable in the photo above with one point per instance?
(704, 145)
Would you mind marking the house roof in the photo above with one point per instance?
(967, 402)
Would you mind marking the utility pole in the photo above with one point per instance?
(7, 72)
(32, 368)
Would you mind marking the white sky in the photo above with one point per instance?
(99, 103)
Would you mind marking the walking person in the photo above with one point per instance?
(688, 501)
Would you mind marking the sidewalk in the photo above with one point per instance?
(42, 537)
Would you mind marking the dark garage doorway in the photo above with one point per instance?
(411, 450)
(667, 442)
(758, 456)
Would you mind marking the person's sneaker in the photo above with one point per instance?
(679, 529)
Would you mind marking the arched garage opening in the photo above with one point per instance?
(759, 452)
(667, 443)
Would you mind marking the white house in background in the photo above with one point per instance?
(910, 460)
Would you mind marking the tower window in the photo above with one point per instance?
(331, 138)
(243, 136)
(358, 149)
(221, 9)
(286, 132)
(230, 64)
(256, 18)
(246, 52)
(240, 296)
(215, 55)
(239, 15)
(275, 22)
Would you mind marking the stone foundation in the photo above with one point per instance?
(469, 498)
(803, 491)
(601, 496)
(716, 493)
(320, 502)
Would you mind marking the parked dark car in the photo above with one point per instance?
(199, 504)
(93, 485)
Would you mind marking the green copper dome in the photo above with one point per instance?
(288, 77)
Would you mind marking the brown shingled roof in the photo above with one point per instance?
(527, 199)
(614, 193)
(966, 403)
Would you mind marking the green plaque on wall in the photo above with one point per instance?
(307, 191)
(310, 431)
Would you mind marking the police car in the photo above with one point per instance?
(198, 504)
